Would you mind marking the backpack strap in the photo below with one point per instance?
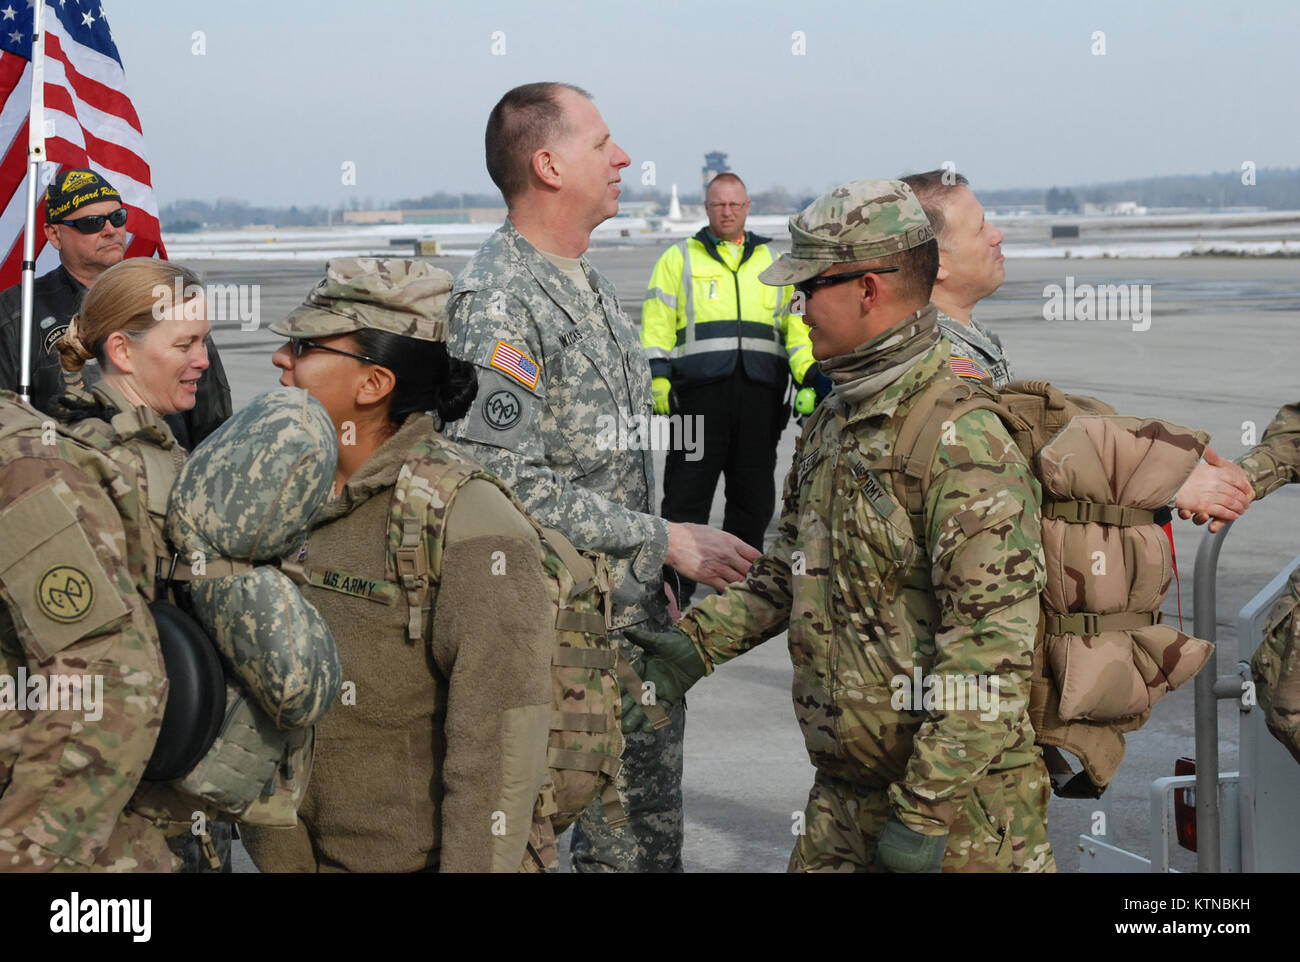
(417, 557)
(939, 404)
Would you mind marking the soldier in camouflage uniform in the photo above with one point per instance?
(1275, 461)
(881, 608)
(435, 760)
(82, 510)
(561, 371)
(970, 269)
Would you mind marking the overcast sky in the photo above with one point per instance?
(1011, 92)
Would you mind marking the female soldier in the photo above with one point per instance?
(81, 507)
(435, 759)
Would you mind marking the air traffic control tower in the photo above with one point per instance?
(715, 163)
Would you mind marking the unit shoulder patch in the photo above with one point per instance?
(65, 594)
(502, 410)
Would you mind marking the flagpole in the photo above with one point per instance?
(35, 155)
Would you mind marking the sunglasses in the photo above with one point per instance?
(300, 345)
(814, 284)
(94, 223)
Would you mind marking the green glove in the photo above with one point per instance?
(902, 850)
(805, 401)
(672, 666)
(660, 388)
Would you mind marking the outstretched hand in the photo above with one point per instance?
(712, 557)
(1217, 491)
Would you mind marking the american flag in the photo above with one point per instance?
(965, 367)
(89, 122)
(521, 367)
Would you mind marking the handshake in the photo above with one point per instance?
(1217, 491)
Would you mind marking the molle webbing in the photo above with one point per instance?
(632, 682)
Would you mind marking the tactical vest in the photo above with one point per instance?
(585, 744)
(1101, 657)
(585, 740)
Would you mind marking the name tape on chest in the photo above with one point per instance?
(806, 464)
(514, 363)
(873, 488)
(368, 589)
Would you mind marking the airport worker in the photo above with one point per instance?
(720, 341)
(81, 507)
(970, 269)
(435, 761)
(873, 613)
(558, 363)
(86, 223)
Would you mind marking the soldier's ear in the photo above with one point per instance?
(545, 168)
(943, 271)
(52, 236)
(377, 386)
(117, 351)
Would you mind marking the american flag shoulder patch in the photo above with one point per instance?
(514, 363)
(965, 367)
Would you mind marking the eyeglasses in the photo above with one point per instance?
(714, 206)
(94, 223)
(814, 284)
(299, 345)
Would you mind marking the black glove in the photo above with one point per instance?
(672, 666)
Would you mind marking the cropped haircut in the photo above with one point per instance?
(932, 190)
(725, 177)
(524, 121)
(918, 269)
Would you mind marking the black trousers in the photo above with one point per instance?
(742, 423)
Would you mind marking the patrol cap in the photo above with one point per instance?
(75, 188)
(858, 221)
(398, 295)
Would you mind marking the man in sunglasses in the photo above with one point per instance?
(86, 223)
(896, 624)
(722, 341)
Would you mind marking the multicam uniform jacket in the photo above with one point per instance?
(1275, 461)
(75, 580)
(876, 610)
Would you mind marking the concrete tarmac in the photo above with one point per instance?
(1220, 354)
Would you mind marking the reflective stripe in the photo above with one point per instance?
(690, 293)
(663, 296)
(723, 344)
(796, 349)
(653, 353)
(727, 327)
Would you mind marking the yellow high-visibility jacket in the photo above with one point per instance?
(706, 308)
